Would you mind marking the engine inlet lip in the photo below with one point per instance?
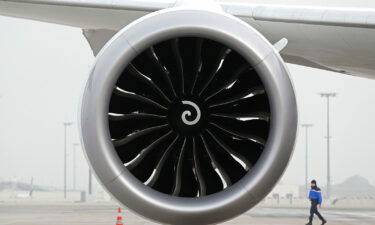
(99, 149)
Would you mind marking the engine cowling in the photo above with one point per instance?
(188, 117)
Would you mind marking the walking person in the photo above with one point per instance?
(315, 197)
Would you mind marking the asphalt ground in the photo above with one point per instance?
(106, 213)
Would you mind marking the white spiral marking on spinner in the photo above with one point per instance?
(188, 113)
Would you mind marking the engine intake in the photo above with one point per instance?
(189, 117)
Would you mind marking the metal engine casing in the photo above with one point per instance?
(174, 23)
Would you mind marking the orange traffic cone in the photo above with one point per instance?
(119, 217)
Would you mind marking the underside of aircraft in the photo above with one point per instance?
(189, 115)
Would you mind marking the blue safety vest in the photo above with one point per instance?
(315, 193)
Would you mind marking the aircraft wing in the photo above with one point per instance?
(337, 39)
(86, 14)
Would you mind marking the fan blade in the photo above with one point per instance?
(163, 70)
(255, 104)
(236, 156)
(133, 163)
(134, 96)
(155, 175)
(245, 116)
(247, 94)
(180, 65)
(146, 80)
(216, 67)
(240, 134)
(121, 125)
(137, 134)
(198, 63)
(216, 166)
(178, 170)
(225, 84)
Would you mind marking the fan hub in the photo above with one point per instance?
(188, 116)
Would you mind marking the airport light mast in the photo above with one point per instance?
(74, 166)
(90, 182)
(66, 124)
(328, 95)
(306, 126)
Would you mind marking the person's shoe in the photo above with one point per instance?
(309, 223)
(324, 222)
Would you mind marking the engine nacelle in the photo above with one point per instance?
(189, 116)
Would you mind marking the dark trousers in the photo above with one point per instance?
(314, 210)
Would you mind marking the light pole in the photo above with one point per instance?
(66, 124)
(74, 166)
(328, 95)
(90, 181)
(306, 126)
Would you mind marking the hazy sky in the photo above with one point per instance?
(43, 68)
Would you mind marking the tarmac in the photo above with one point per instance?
(32, 213)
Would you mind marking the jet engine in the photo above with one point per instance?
(188, 116)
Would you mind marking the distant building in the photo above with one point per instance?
(285, 191)
(19, 186)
